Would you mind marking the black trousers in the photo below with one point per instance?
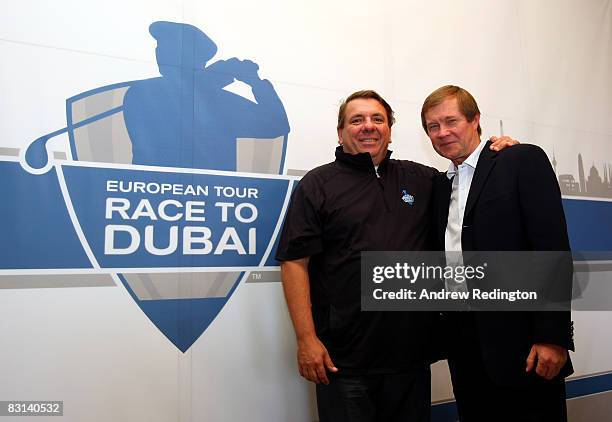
(400, 397)
(479, 398)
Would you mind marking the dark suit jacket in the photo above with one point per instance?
(514, 204)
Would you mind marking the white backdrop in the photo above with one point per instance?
(543, 67)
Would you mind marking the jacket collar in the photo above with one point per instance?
(361, 161)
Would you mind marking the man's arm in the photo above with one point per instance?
(312, 356)
(265, 118)
(545, 224)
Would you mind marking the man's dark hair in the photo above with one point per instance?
(367, 94)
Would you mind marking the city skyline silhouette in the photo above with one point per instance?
(592, 185)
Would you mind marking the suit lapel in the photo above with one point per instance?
(486, 162)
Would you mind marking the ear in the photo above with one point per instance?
(340, 136)
(476, 121)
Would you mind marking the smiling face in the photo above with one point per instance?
(452, 136)
(365, 129)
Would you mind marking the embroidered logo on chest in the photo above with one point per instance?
(407, 198)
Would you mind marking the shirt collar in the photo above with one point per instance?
(471, 161)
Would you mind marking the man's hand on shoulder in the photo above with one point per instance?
(497, 144)
(550, 359)
(314, 360)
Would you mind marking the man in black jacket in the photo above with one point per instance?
(505, 366)
(368, 366)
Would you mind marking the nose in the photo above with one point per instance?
(444, 130)
(368, 124)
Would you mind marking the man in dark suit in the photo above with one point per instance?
(505, 366)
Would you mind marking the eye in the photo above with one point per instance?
(378, 119)
(356, 120)
(431, 127)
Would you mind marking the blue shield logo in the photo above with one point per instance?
(174, 185)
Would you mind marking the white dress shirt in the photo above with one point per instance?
(461, 188)
(462, 176)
